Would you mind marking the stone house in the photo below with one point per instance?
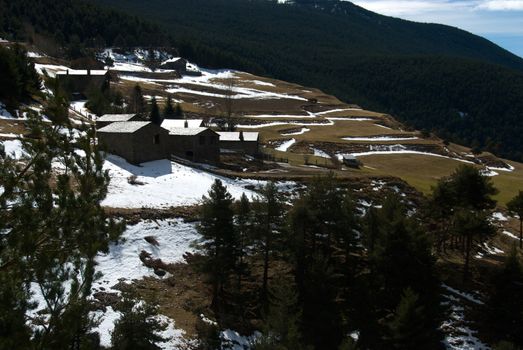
(240, 142)
(107, 119)
(136, 141)
(78, 83)
(195, 144)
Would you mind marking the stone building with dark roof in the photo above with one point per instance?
(239, 141)
(195, 144)
(136, 141)
(78, 83)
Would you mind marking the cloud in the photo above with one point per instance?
(501, 5)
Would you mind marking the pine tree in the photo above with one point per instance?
(408, 329)
(243, 230)
(51, 233)
(217, 229)
(504, 306)
(178, 112)
(515, 206)
(282, 321)
(269, 223)
(474, 228)
(168, 111)
(137, 103)
(139, 327)
(155, 116)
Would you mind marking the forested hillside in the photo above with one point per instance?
(380, 62)
(433, 77)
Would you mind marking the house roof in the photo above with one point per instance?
(115, 117)
(180, 123)
(235, 136)
(82, 72)
(123, 127)
(186, 131)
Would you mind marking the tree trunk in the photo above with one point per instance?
(265, 269)
(468, 246)
(521, 233)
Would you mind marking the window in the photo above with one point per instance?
(202, 140)
(156, 139)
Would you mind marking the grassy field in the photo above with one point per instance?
(421, 171)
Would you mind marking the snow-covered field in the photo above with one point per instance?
(166, 184)
(122, 263)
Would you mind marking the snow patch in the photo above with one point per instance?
(285, 145)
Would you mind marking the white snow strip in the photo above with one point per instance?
(464, 295)
(302, 131)
(383, 126)
(349, 119)
(499, 216)
(283, 116)
(320, 153)
(285, 145)
(380, 138)
(370, 153)
(257, 126)
(262, 83)
(338, 110)
(510, 234)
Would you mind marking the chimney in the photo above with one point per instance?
(186, 124)
(241, 135)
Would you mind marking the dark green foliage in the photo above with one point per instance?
(139, 327)
(515, 206)
(18, 79)
(168, 111)
(505, 309)
(408, 328)
(137, 102)
(52, 231)
(178, 112)
(76, 25)
(281, 330)
(473, 228)
(460, 206)
(155, 116)
(268, 225)
(217, 229)
(433, 77)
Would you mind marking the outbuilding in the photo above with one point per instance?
(195, 144)
(239, 141)
(136, 141)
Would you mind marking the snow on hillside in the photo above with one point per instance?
(122, 264)
(165, 184)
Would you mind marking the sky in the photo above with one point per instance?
(500, 21)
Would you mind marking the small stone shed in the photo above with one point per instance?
(239, 141)
(81, 82)
(195, 144)
(136, 141)
(107, 119)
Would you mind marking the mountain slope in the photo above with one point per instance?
(379, 62)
